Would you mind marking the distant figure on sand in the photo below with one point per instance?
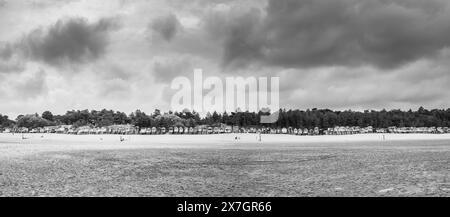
(122, 139)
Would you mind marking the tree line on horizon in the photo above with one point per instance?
(322, 118)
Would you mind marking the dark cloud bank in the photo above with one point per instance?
(68, 41)
(6, 51)
(166, 26)
(310, 33)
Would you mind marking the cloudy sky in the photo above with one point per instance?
(60, 55)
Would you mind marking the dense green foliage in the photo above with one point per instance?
(322, 118)
(32, 121)
(4, 121)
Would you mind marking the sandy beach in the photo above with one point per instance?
(13, 145)
(219, 165)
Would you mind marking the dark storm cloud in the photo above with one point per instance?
(8, 67)
(6, 51)
(69, 41)
(166, 26)
(310, 33)
(8, 60)
(243, 42)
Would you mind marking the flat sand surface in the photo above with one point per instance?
(219, 165)
(13, 145)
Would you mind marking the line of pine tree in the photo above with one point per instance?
(322, 118)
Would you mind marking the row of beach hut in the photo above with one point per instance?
(203, 129)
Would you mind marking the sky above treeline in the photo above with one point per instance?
(60, 55)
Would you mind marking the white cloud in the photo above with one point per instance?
(133, 71)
